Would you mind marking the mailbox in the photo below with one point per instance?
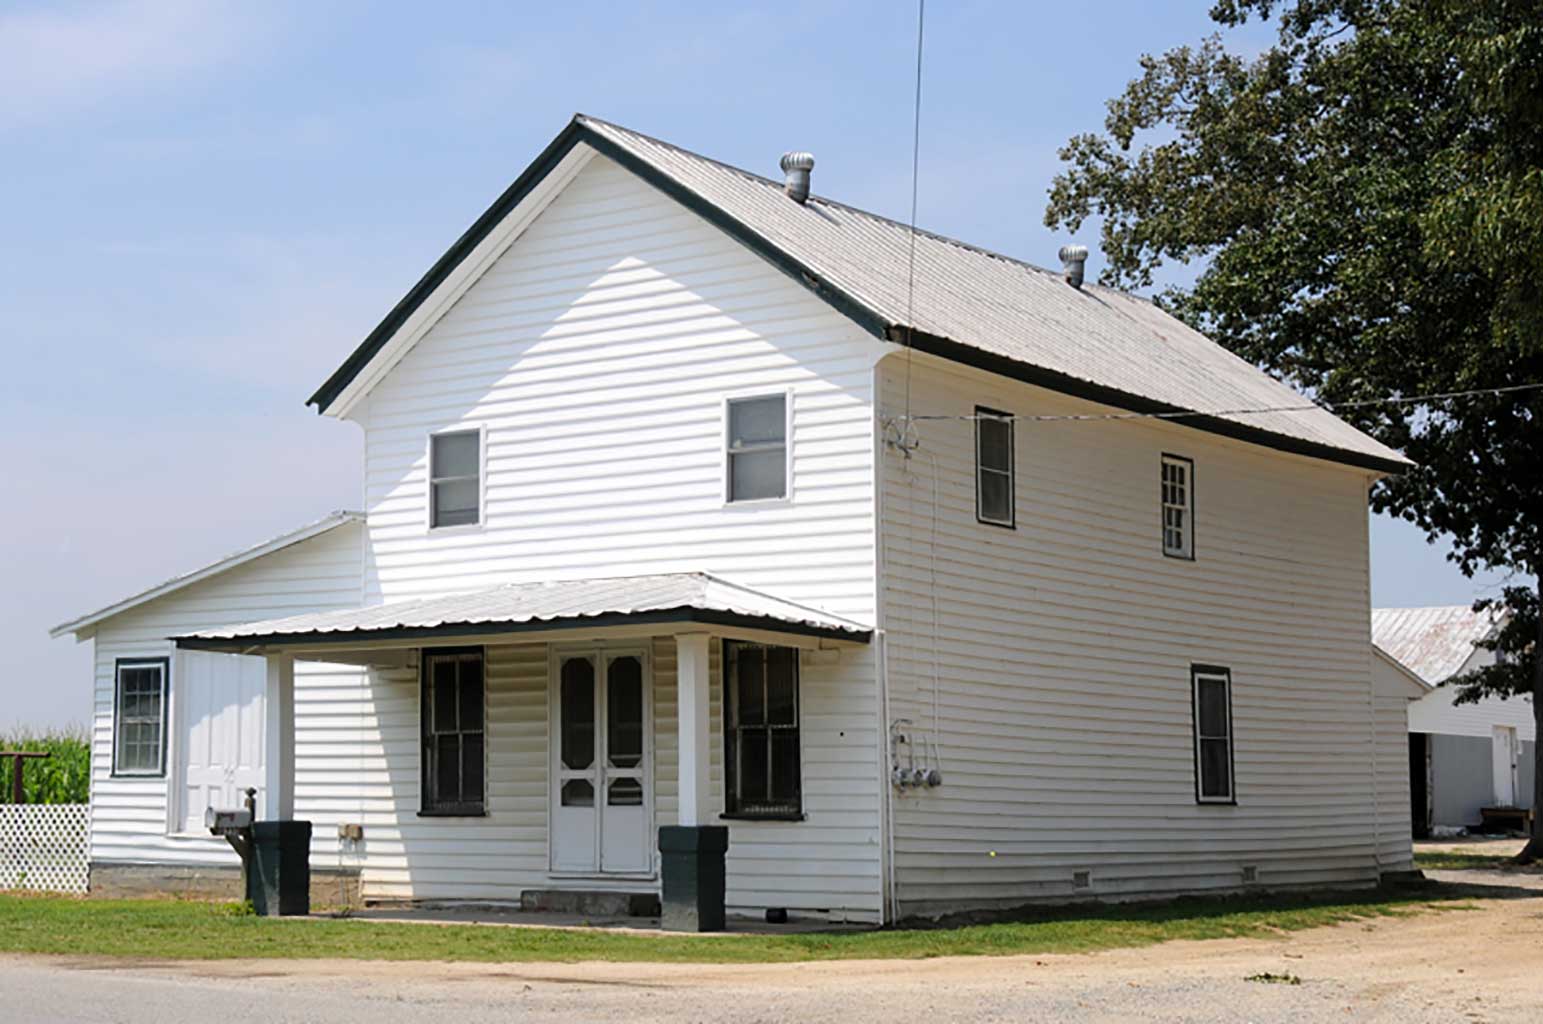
(225, 822)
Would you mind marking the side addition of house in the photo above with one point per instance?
(687, 504)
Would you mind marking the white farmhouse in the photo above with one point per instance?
(687, 502)
(1462, 757)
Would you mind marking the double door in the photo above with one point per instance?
(602, 792)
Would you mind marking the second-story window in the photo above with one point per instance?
(757, 448)
(1178, 507)
(994, 467)
(455, 478)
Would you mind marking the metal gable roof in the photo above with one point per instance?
(515, 607)
(1433, 643)
(969, 304)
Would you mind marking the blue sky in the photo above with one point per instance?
(207, 206)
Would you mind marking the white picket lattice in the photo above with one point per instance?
(43, 847)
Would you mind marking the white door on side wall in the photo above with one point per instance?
(1505, 752)
(220, 710)
(602, 800)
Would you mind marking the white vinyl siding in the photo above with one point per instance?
(599, 354)
(139, 819)
(1059, 658)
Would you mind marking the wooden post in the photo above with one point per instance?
(692, 720)
(19, 758)
(279, 739)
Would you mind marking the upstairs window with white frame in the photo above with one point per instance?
(757, 439)
(1213, 734)
(1178, 496)
(994, 483)
(455, 478)
(139, 717)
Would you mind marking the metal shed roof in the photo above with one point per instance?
(524, 607)
(312, 529)
(1433, 643)
(969, 304)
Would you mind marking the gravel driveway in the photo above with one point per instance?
(1479, 964)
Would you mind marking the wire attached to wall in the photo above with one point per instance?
(916, 149)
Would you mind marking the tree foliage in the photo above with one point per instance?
(1365, 197)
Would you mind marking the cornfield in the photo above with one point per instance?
(64, 777)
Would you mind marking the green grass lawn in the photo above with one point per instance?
(1454, 860)
(172, 929)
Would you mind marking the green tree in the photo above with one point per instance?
(1366, 199)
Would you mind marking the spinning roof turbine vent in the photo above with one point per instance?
(796, 166)
(1073, 259)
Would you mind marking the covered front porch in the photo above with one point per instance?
(530, 742)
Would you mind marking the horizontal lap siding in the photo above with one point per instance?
(597, 353)
(1062, 656)
(129, 815)
(1395, 830)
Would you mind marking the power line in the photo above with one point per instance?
(916, 150)
(1252, 411)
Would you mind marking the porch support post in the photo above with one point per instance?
(692, 878)
(279, 740)
(691, 709)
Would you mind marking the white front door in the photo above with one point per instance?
(1504, 752)
(219, 702)
(602, 796)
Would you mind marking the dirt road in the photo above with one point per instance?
(1480, 964)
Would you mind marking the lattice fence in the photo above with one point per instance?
(43, 847)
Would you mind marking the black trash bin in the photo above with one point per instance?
(278, 881)
(692, 877)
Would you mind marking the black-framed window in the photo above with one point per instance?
(1178, 502)
(455, 478)
(139, 716)
(994, 467)
(764, 774)
(452, 719)
(1212, 697)
(757, 440)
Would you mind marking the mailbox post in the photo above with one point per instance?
(275, 858)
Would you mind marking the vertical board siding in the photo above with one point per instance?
(1059, 654)
(130, 816)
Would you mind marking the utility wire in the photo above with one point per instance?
(1253, 411)
(916, 149)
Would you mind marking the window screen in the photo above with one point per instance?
(758, 452)
(1178, 507)
(761, 742)
(993, 467)
(455, 484)
(452, 722)
(1213, 734)
(139, 718)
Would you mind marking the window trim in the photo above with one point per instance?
(480, 429)
(1189, 510)
(119, 664)
(1214, 672)
(1011, 523)
(731, 810)
(426, 809)
(786, 394)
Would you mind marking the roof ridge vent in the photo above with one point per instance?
(796, 166)
(1073, 260)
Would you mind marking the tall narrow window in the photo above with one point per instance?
(764, 777)
(994, 467)
(139, 717)
(455, 478)
(1213, 734)
(452, 723)
(1178, 494)
(757, 448)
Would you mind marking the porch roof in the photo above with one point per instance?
(667, 599)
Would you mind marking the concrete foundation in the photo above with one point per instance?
(331, 888)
